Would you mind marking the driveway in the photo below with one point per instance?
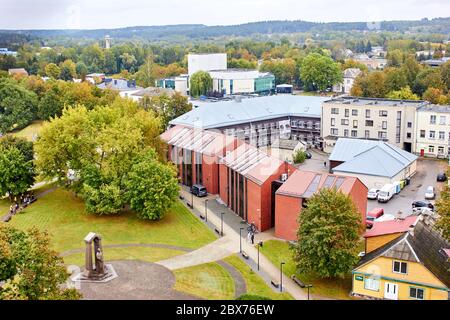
(425, 176)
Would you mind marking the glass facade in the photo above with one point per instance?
(265, 84)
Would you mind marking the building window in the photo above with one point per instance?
(344, 122)
(334, 111)
(382, 135)
(354, 133)
(334, 131)
(409, 124)
(367, 134)
(416, 293)
(367, 113)
(441, 135)
(440, 150)
(372, 284)
(408, 135)
(431, 149)
(383, 113)
(347, 112)
(369, 123)
(345, 132)
(432, 119)
(333, 122)
(432, 134)
(400, 267)
(354, 112)
(384, 125)
(355, 123)
(422, 133)
(442, 120)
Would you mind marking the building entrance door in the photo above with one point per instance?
(391, 291)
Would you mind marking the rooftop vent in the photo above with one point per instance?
(230, 116)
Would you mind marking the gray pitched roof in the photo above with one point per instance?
(227, 113)
(370, 157)
(424, 246)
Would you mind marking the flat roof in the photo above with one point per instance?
(436, 108)
(362, 101)
(228, 113)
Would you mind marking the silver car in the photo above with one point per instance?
(430, 194)
(373, 194)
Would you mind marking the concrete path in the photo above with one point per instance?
(229, 244)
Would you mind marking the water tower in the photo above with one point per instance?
(107, 42)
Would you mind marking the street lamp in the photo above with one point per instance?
(206, 210)
(192, 200)
(260, 244)
(240, 240)
(281, 276)
(307, 287)
(221, 223)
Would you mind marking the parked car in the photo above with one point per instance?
(385, 217)
(430, 194)
(373, 194)
(421, 204)
(372, 215)
(386, 193)
(308, 155)
(199, 190)
(441, 177)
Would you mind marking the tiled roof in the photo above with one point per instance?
(304, 184)
(392, 226)
(252, 163)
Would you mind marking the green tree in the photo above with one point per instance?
(403, 94)
(30, 269)
(200, 83)
(319, 72)
(395, 79)
(52, 71)
(167, 108)
(152, 186)
(328, 235)
(68, 70)
(443, 209)
(16, 172)
(146, 75)
(25, 147)
(395, 58)
(299, 156)
(435, 96)
(372, 84)
(285, 71)
(81, 70)
(17, 106)
(445, 74)
(51, 104)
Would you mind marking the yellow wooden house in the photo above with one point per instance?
(413, 266)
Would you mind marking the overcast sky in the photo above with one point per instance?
(94, 14)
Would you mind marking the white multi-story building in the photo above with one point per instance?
(387, 120)
(433, 131)
(206, 62)
(349, 76)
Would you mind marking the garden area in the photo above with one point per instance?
(335, 288)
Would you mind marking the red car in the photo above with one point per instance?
(372, 215)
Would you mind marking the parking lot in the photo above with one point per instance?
(400, 204)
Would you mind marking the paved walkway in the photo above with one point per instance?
(229, 244)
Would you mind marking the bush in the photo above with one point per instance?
(299, 156)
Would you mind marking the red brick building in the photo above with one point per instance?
(196, 153)
(293, 195)
(246, 182)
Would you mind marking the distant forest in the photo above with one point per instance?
(203, 32)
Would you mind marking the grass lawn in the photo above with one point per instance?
(209, 281)
(130, 253)
(30, 131)
(63, 215)
(255, 284)
(277, 251)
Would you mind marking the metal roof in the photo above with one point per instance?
(370, 157)
(360, 101)
(227, 113)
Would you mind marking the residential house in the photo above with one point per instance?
(349, 76)
(433, 131)
(413, 266)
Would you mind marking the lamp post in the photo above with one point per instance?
(260, 244)
(192, 200)
(206, 210)
(307, 287)
(281, 276)
(221, 223)
(240, 240)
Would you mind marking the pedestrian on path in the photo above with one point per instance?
(252, 238)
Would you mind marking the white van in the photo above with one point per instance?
(386, 193)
